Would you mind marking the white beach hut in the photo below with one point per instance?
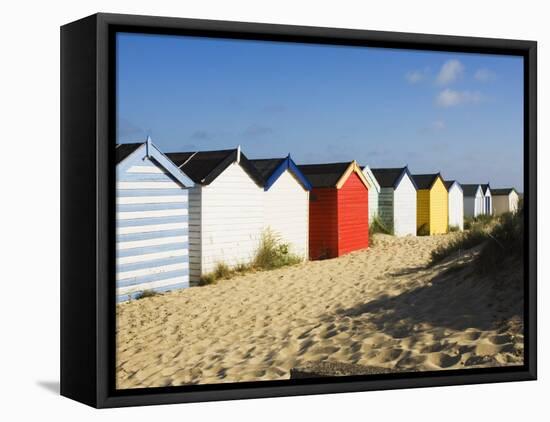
(286, 202)
(374, 191)
(456, 204)
(151, 222)
(473, 200)
(226, 208)
(397, 199)
(487, 200)
(505, 200)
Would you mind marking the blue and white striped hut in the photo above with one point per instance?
(152, 250)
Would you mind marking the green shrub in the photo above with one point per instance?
(502, 238)
(464, 241)
(454, 229)
(505, 241)
(242, 268)
(376, 225)
(207, 279)
(222, 270)
(481, 221)
(272, 253)
(146, 293)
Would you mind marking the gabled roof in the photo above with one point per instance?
(503, 191)
(391, 177)
(331, 175)
(272, 168)
(147, 149)
(124, 150)
(484, 188)
(369, 175)
(426, 181)
(449, 184)
(205, 166)
(471, 189)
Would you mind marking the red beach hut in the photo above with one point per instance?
(338, 209)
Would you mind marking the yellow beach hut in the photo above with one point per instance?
(432, 204)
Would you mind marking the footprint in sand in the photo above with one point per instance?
(443, 360)
(470, 335)
(387, 355)
(501, 339)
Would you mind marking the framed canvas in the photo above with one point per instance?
(255, 210)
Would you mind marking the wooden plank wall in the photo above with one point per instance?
(151, 231)
(439, 208)
(232, 219)
(385, 206)
(456, 207)
(404, 205)
(286, 209)
(323, 220)
(353, 212)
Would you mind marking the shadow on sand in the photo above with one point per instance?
(456, 297)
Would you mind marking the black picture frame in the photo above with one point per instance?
(87, 208)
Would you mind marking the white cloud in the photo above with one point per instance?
(438, 125)
(450, 72)
(414, 76)
(484, 75)
(449, 98)
(417, 75)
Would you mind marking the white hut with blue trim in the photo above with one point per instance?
(151, 222)
(226, 208)
(286, 202)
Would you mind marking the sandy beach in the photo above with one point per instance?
(379, 307)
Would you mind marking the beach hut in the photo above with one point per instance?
(397, 199)
(473, 200)
(432, 204)
(338, 209)
(151, 222)
(226, 214)
(374, 191)
(505, 200)
(487, 200)
(456, 204)
(286, 202)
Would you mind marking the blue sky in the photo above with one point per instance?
(461, 114)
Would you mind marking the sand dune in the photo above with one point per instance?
(378, 307)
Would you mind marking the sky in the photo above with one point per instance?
(454, 113)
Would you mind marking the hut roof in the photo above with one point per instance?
(149, 150)
(205, 166)
(503, 191)
(270, 169)
(425, 181)
(390, 177)
(484, 188)
(324, 175)
(266, 166)
(470, 189)
(124, 150)
(450, 183)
